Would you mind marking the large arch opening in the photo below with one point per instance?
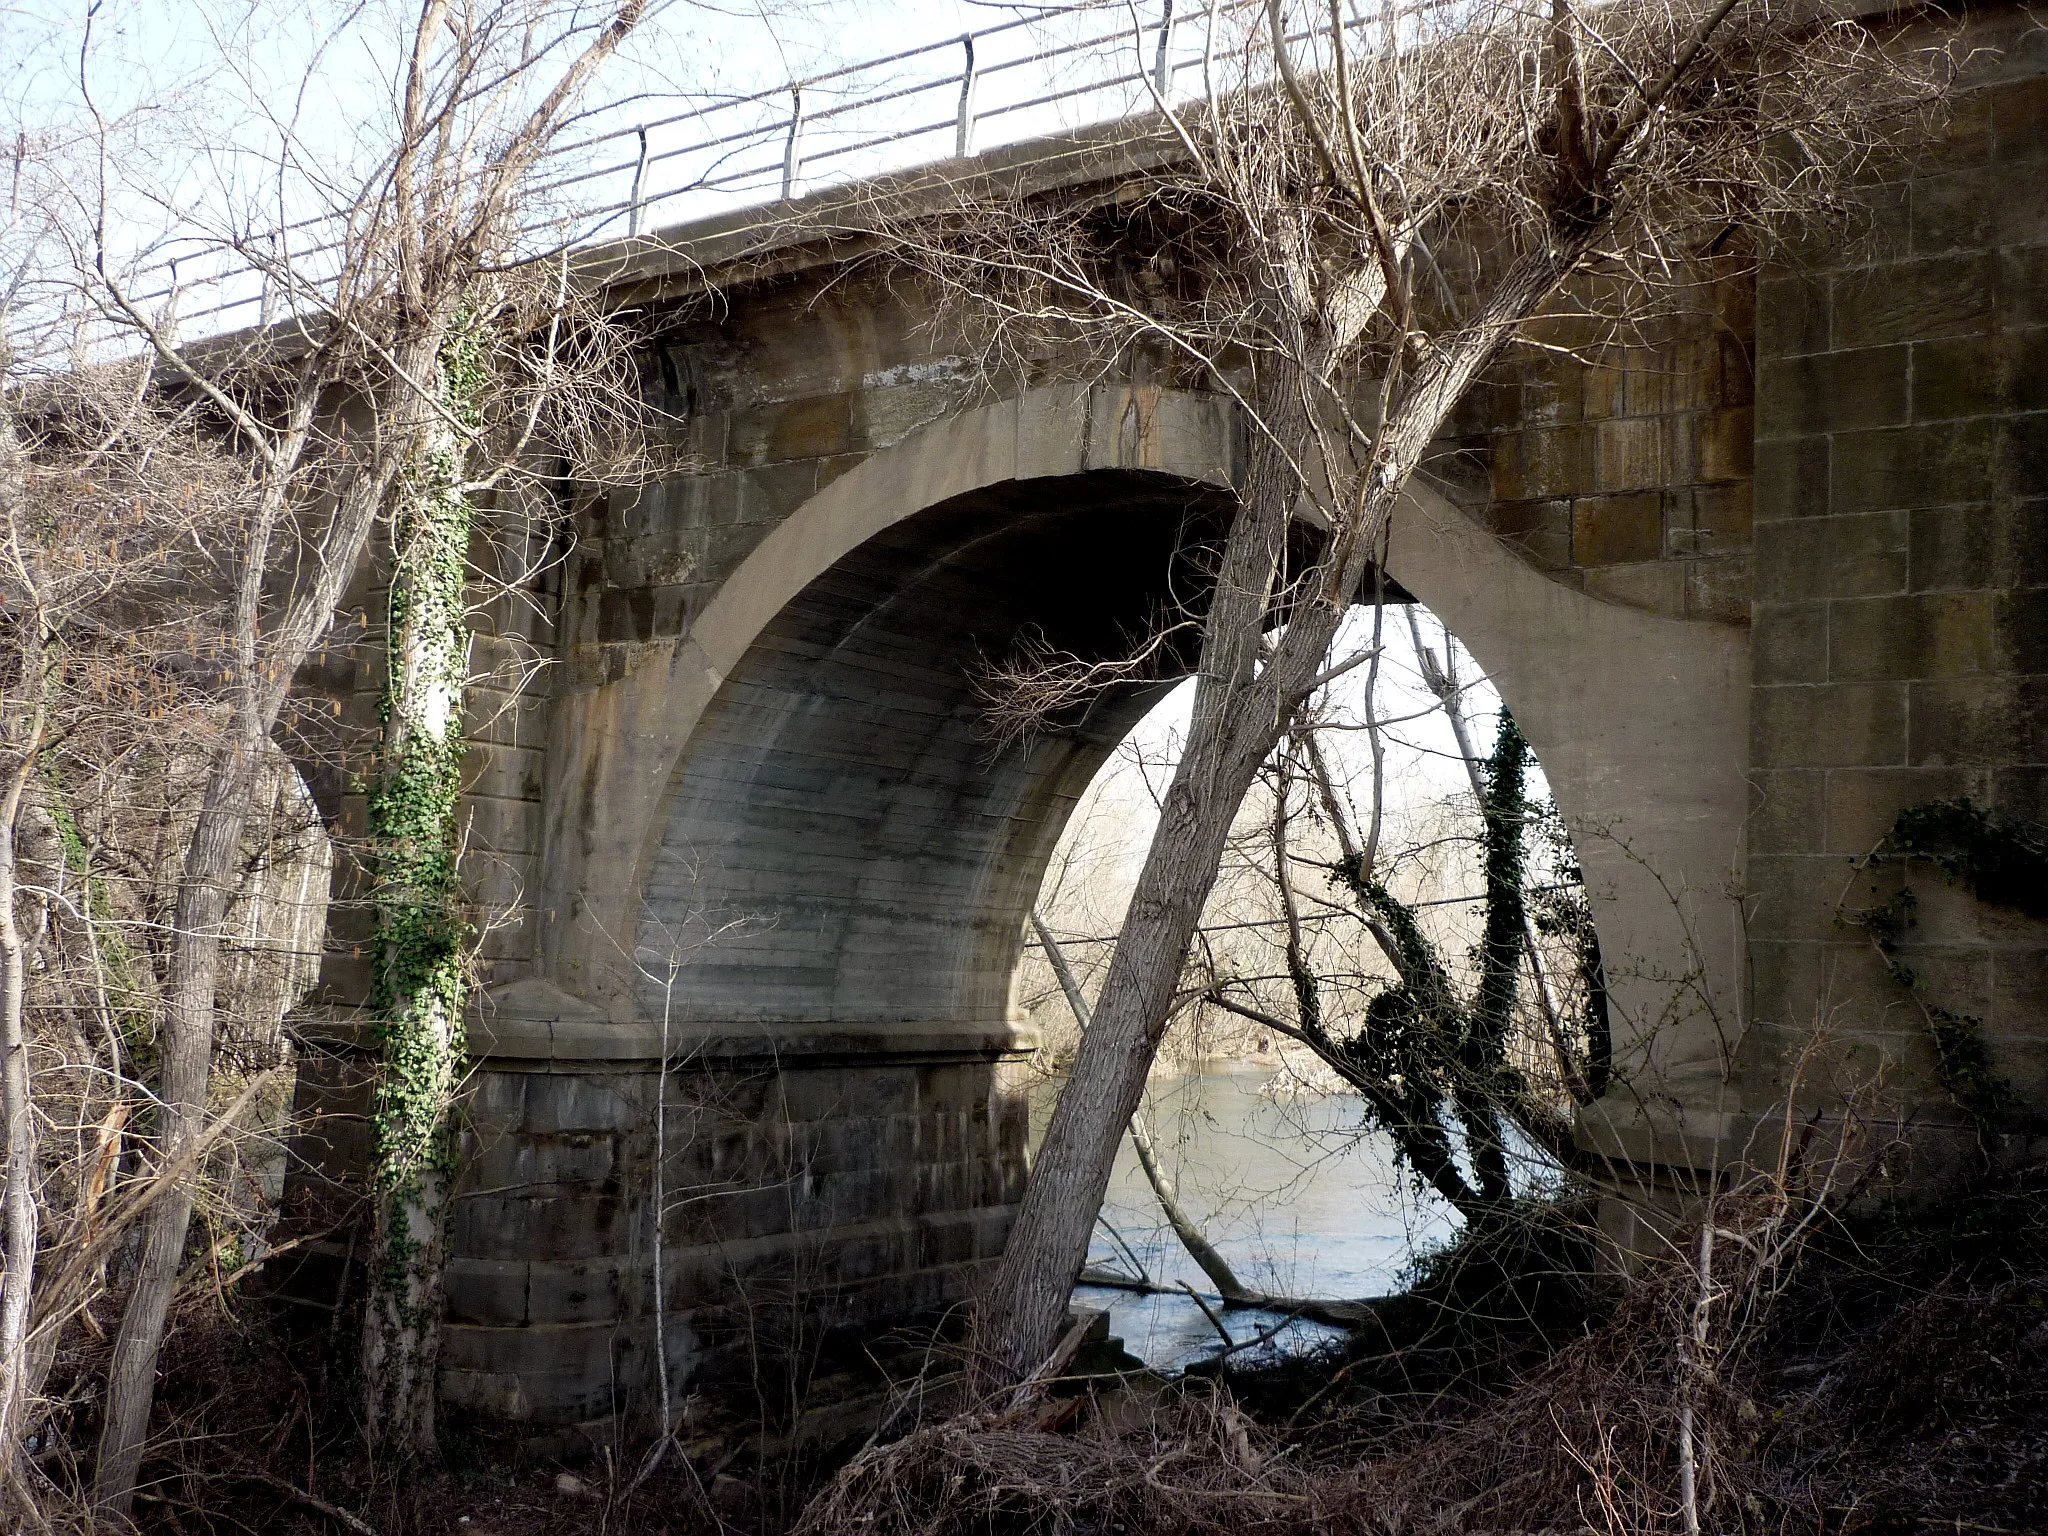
(1287, 1171)
(842, 821)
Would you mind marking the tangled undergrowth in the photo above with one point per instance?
(1888, 1374)
(1883, 1375)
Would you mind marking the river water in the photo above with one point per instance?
(1291, 1189)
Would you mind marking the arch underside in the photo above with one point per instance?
(845, 847)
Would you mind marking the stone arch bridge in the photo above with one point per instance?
(1750, 587)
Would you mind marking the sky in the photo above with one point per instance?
(1112, 826)
(203, 95)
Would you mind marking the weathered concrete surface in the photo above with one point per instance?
(749, 822)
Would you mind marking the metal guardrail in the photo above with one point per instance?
(998, 85)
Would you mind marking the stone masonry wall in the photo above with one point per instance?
(1622, 467)
(1901, 619)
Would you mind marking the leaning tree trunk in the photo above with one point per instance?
(1240, 710)
(1242, 707)
(421, 982)
(1185, 1227)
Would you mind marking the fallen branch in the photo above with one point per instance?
(299, 1495)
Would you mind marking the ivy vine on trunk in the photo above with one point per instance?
(422, 945)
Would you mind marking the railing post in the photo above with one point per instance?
(168, 324)
(639, 187)
(963, 137)
(793, 150)
(263, 300)
(1162, 65)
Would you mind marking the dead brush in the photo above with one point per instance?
(1646, 1423)
(1191, 1464)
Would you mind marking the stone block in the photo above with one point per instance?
(1956, 377)
(1980, 720)
(1630, 454)
(489, 1226)
(505, 772)
(1948, 914)
(1718, 589)
(2020, 470)
(2022, 1060)
(1656, 585)
(576, 1291)
(2022, 625)
(1867, 554)
(1786, 980)
(1958, 210)
(1723, 517)
(1905, 467)
(488, 1291)
(2019, 991)
(764, 495)
(1789, 643)
(2002, 544)
(1606, 385)
(1913, 300)
(2019, 118)
(562, 1374)
(1617, 530)
(1791, 560)
(728, 545)
(1967, 134)
(1792, 478)
(1828, 725)
(1541, 531)
(1724, 444)
(1792, 315)
(2021, 791)
(1536, 465)
(830, 469)
(2022, 298)
(1916, 635)
(1552, 393)
(1833, 391)
(502, 826)
(1862, 803)
(574, 1101)
(1787, 809)
(808, 428)
(884, 415)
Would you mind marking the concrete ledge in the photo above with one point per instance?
(534, 1022)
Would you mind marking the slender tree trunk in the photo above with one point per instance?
(187, 1065)
(20, 1223)
(206, 885)
(18, 1226)
(1239, 712)
(421, 983)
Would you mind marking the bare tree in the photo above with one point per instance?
(1344, 236)
(338, 417)
(116, 506)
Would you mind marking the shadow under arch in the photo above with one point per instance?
(841, 817)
